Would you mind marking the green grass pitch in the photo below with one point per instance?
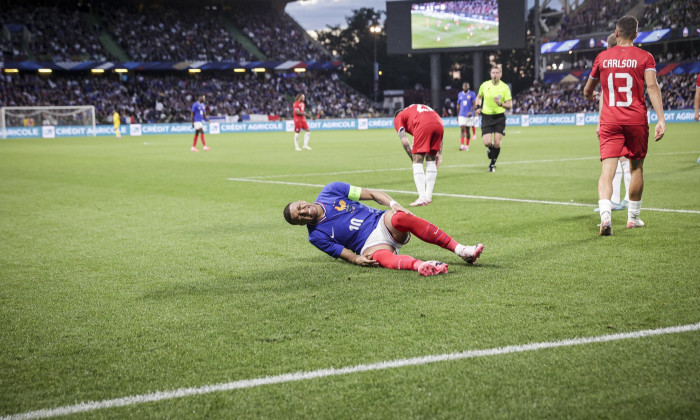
(427, 33)
(132, 265)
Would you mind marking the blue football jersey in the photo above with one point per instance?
(346, 223)
(466, 102)
(198, 110)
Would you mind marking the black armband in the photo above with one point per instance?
(478, 107)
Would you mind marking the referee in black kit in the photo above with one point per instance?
(491, 102)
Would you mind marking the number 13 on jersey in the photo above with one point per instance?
(625, 91)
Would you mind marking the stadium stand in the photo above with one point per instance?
(173, 35)
(57, 31)
(39, 30)
(48, 33)
(670, 14)
(156, 97)
(592, 16)
(276, 35)
(152, 33)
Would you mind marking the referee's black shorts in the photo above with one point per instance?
(495, 123)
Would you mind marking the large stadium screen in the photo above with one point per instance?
(454, 24)
(419, 26)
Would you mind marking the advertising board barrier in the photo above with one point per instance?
(218, 127)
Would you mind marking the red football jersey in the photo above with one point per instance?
(621, 73)
(412, 115)
(697, 82)
(301, 107)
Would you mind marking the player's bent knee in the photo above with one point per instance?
(396, 221)
(401, 221)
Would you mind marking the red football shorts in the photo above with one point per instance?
(300, 125)
(427, 138)
(630, 141)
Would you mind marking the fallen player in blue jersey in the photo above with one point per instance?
(341, 226)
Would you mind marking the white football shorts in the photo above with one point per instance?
(381, 236)
(468, 121)
(198, 125)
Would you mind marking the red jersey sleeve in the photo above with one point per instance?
(651, 63)
(399, 121)
(595, 70)
(697, 83)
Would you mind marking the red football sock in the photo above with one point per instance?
(388, 259)
(195, 139)
(468, 141)
(461, 140)
(474, 130)
(202, 134)
(423, 229)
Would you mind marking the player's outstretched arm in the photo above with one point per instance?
(360, 260)
(654, 92)
(382, 198)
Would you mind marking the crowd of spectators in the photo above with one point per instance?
(51, 34)
(686, 54)
(677, 91)
(670, 14)
(58, 31)
(483, 8)
(276, 36)
(600, 15)
(154, 98)
(592, 16)
(11, 48)
(556, 98)
(173, 35)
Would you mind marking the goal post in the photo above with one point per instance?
(30, 116)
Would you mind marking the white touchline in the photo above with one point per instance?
(302, 376)
(477, 197)
(470, 165)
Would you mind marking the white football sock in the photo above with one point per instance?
(615, 197)
(296, 140)
(627, 176)
(430, 177)
(605, 209)
(634, 210)
(419, 179)
(306, 138)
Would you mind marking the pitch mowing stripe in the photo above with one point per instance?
(322, 373)
(476, 197)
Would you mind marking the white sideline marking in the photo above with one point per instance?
(477, 197)
(322, 373)
(469, 165)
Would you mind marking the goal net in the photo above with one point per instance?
(36, 116)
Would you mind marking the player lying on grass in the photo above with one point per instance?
(341, 226)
